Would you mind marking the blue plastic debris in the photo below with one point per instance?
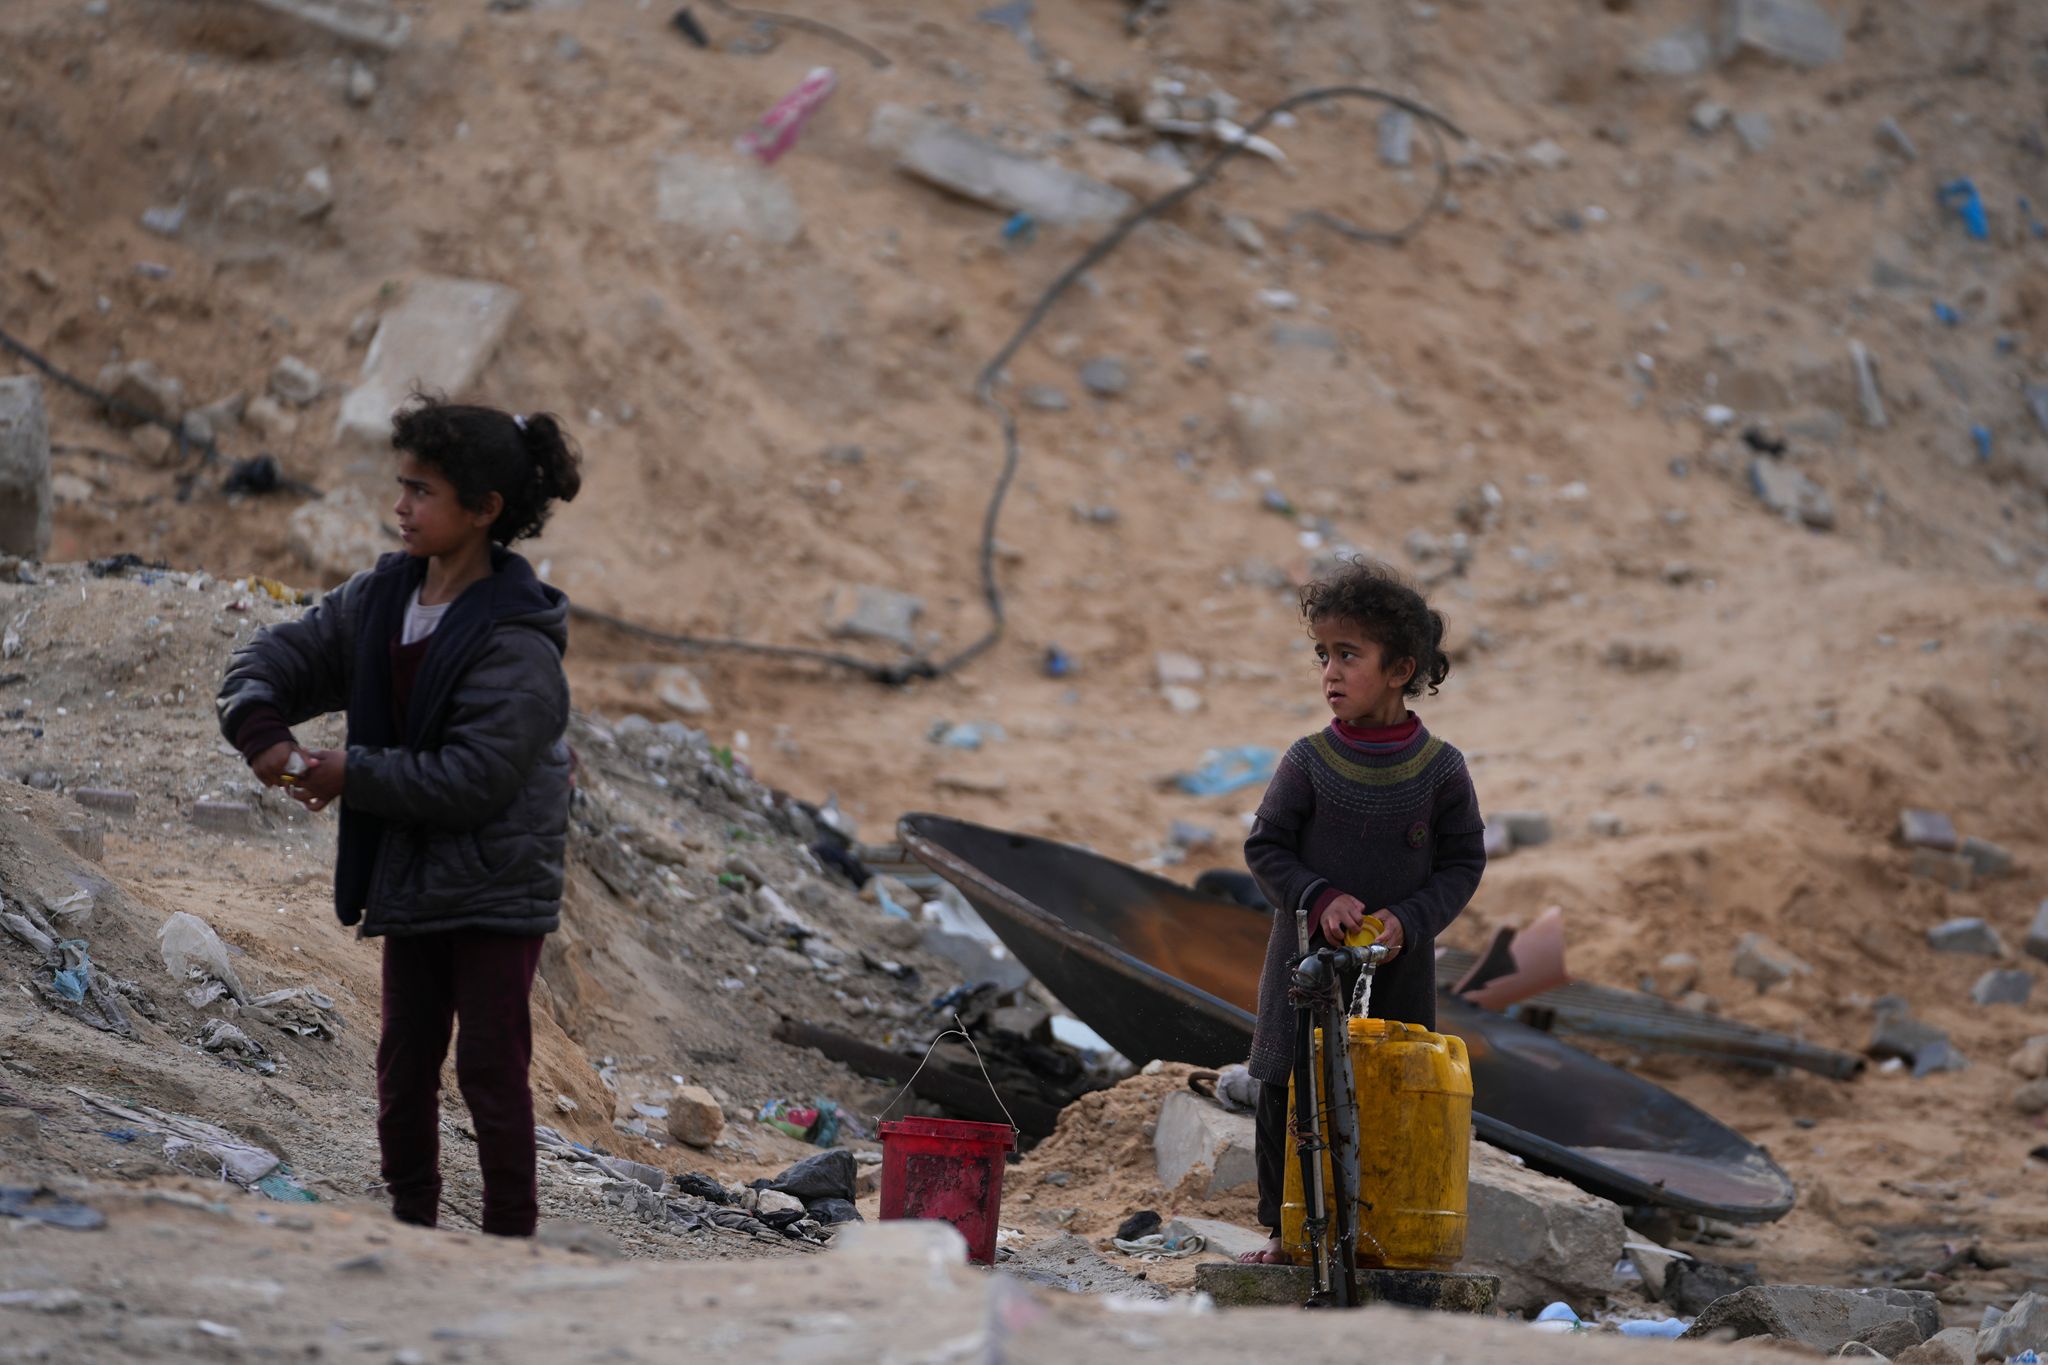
(1961, 195)
(1981, 436)
(282, 1185)
(1022, 227)
(1654, 1327)
(73, 981)
(1558, 1317)
(1945, 314)
(888, 903)
(1058, 664)
(1228, 770)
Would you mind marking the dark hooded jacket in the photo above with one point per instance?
(461, 820)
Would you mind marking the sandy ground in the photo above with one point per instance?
(1634, 634)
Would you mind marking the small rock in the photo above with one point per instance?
(1676, 974)
(20, 1125)
(1763, 962)
(1927, 829)
(1396, 137)
(1820, 1317)
(1951, 1346)
(1105, 377)
(1922, 1046)
(44, 1300)
(362, 84)
(1546, 155)
(1680, 54)
(1986, 859)
(1526, 828)
(1497, 842)
(1868, 396)
(679, 690)
(1605, 823)
(1801, 32)
(775, 1201)
(295, 382)
(1708, 118)
(1185, 701)
(863, 611)
(1182, 834)
(269, 420)
(2031, 1061)
(1966, 936)
(1245, 233)
(694, 1116)
(1789, 493)
(2037, 933)
(1172, 667)
(1045, 398)
(2031, 1098)
(164, 221)
(1893, 138)
(140, 393)
(336, 536)
(2003, 986)
(1755, 130)
(2024, 1327)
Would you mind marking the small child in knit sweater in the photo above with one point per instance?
(1373, 815)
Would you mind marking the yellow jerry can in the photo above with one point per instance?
(1415, 1137)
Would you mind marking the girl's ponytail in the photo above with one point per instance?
(557, 469)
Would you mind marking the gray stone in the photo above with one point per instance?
(2024, 1327)
(2037, 403)
(1868, 396)
(1763, 962)
(140, 393)
(366, 23)
(24, 468)
(2031, 1098)
(20, 1125)
(1893, 138)
(1819, 1316)
(1542, 1237)
(865, 612)
(1045, 398)
(1105, 377)
(1790, 494)
(1950, 1346)
(1708, 118)
(439, 337)
(2037, 933)
(975, 168)
(1886, 274)
(1896, 1033)
(1676, 55)
(1952, 870)
(224, 817)
(694, 1117)
(1966, 936)
(1526, 828)
(1755, 129)
(1691, 1285)
(1072, 1264)
(1396, 137)
(1986, 858)
(2003, 986)
(1171, 667)
(295, 382)
(1496, 841)
(1245, 233)
(165, 220)
(107, 800)
(1252, 1286)
(1889, 1338)
(1927, 829)
(1194, 1134)
(1797, 31)
(715, 199)
(1677, 974)
(362, 84)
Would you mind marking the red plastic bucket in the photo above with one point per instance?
(947, 1170)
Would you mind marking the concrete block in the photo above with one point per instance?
(1927, 829)
(107, 801)
(1986, 859)
(225, 817)
(1969, 935)
(865, 612)
(2009, 986)
(364, 23)
(439, 337)
(24, 468)
(1225, 1239)
(87, 839)
(1819, 1316)
(1543, 1238)
(1797, 31)
(975, 168)
(1196, 1134)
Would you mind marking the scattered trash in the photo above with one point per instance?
(193, 952)
(816, 1123)
(1558, 1317)
(1946, 314)
(284, 1187)
(1020, 228)
(1671, 1328)
(782, 125)
(1227, 770)
(1980, 436)
(686, 24)
(1057, 663)
(1143, 1223)
(40, 1204)
(256, 475)
(1961, 195)
(75, 977)
(216, 1150)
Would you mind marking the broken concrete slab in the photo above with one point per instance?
(2023, 1327)
(439, 337)
(1952, 870)
(1763, 962)
(2003, 986)
(715, 199)
(1927, 829)
(863, 611)
(366, 23)
(24, 468)
(1819, 1316)
(1966, 935)
(1797, 31)
(1194, 1134)
(1924, 1047)
(1986, 858)
(1225, 1239)
(1791, 494)
(1543, 1238)
(974, 168)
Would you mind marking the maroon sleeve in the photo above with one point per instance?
(262, 729)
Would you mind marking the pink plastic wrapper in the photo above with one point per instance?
(781, 126)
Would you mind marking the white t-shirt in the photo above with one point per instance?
(420, 622)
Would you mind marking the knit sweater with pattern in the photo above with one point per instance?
(1396, 826)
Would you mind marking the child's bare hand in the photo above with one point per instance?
(1341, 918)
(326, 774)
(269, 766)
(1393, 937)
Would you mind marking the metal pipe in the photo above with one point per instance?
(1344, 1148)
(1308, 1121)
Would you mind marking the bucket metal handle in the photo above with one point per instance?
(960, 1030)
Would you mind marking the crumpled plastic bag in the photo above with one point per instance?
(192, 951)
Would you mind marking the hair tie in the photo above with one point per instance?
(518, 421)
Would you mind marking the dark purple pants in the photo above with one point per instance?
(431, 981)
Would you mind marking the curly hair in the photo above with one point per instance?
(1390, 611)
(528, 461)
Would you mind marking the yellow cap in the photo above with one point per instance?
(1368, 930)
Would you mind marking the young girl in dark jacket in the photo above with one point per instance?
(454, 784)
